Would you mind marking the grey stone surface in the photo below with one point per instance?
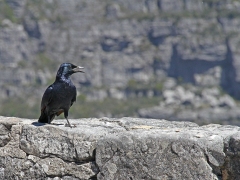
(125, 148)
(135, 156)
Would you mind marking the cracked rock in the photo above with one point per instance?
(124, 148)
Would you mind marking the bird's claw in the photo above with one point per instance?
(67, 125)
(71, 126)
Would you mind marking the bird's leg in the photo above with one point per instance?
(66, 117)
(68, 122)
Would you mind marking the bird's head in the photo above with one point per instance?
(67, 69)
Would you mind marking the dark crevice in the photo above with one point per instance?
(109, 44)
(156, 40)
(186, 69)
(228, 81)
(32, 28)
(93, 178)
(215, 169)
(220, 22)
(159, 4)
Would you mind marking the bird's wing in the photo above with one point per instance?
(74, 96)
(47, 97)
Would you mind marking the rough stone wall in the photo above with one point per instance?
(126, 148)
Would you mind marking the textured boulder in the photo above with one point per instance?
(126, 148)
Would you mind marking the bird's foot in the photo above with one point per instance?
(71, 126)
(67, 125)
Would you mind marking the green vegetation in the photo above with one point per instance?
(133, 85)
(111, 106)
(22, 64)
(211, 9)
(45, 10)
(158, 87)
(18, 107)
(140, 16)
(153, 84)
(38, 7)
(146, 45)
(6, 12)
(43, 61)
(81, 109)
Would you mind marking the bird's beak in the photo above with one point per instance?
(78, 69)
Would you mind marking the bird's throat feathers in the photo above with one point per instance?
(65, 79)
(63, 74)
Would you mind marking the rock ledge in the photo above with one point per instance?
(126, 148)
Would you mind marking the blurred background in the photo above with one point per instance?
(172, 59)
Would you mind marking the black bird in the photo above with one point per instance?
(59, 96)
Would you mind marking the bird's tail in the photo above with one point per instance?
(44, 117)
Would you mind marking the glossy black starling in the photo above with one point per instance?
(59, 96)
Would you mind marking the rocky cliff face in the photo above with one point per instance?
(122, 44)
(126, 148)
